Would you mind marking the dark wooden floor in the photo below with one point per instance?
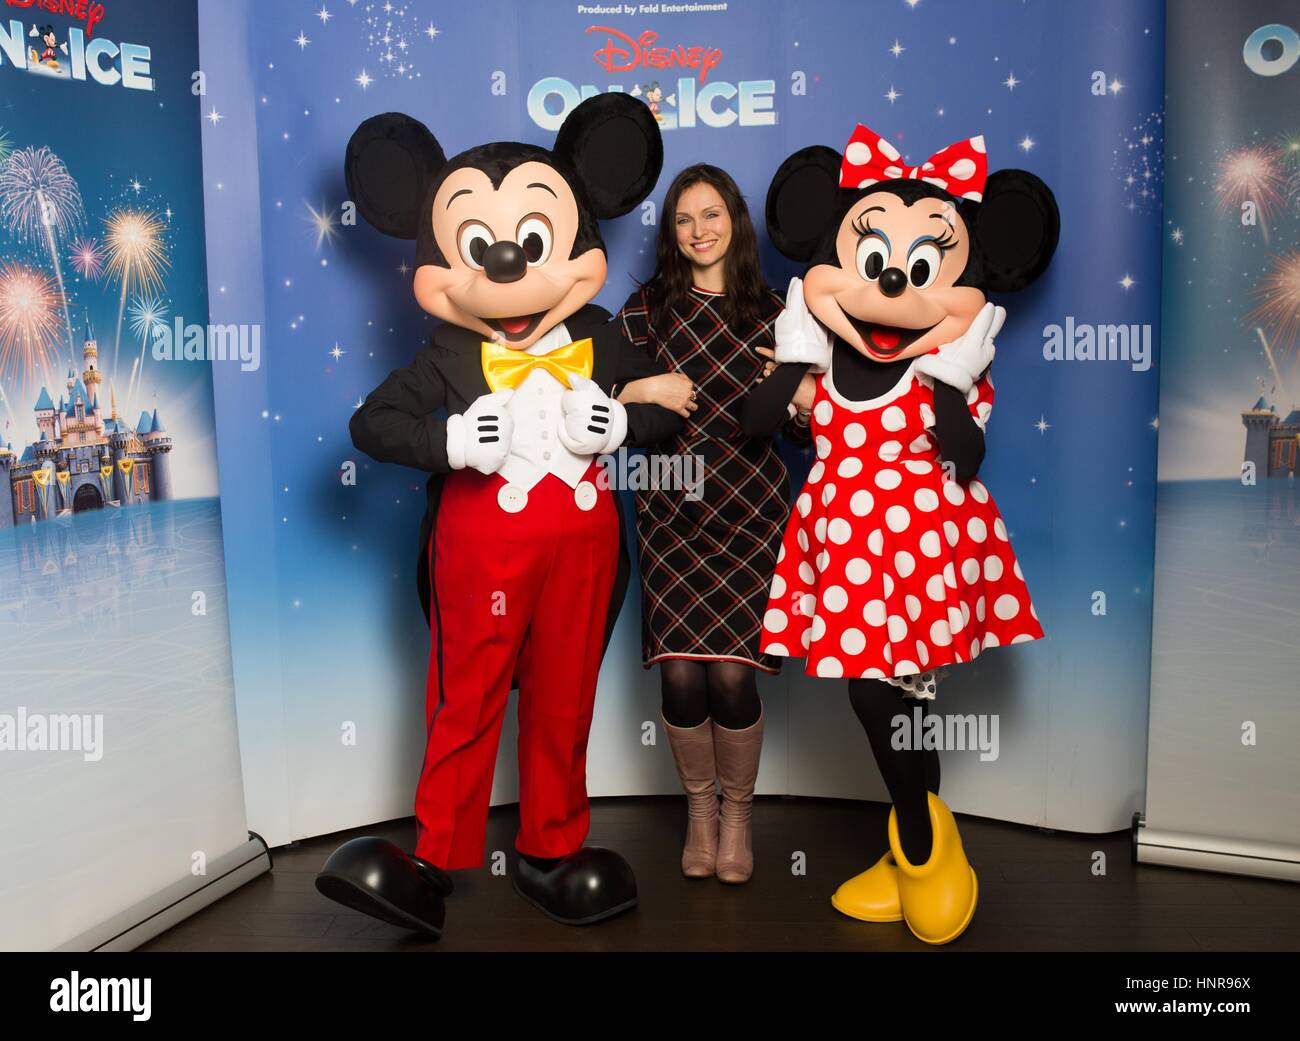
(1037, 893)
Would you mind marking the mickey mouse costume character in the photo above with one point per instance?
(521, 566)
(896, 563)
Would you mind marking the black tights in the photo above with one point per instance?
(724, 691)
(908, 772)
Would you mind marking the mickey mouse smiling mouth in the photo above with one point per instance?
(519, 328)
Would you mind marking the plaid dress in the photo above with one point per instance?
(707, 556)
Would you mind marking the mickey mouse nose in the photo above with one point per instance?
(505, 262)
(892, 281)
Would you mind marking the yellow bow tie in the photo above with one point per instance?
(505, 368)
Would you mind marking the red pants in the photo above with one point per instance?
(521, 595)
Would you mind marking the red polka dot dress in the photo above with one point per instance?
(889, 569)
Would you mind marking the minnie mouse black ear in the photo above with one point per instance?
(801, 201)
(612, 143)
(1015, 229)
(391, 161)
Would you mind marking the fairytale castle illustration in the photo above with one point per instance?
(84, 460)
(1271, 442)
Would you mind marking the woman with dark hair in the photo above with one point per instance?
(708, 550)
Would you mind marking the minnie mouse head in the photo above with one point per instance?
(507, 240)
(902, 257)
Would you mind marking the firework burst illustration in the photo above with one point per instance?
(137, 258)
(88, 259)
(29, 325)
(1252, 175)
(6, 146)
(41, 203)
(146, 315)
(1278, 302)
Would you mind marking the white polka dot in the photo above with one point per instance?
(823, 560)
(890, 451)
(823, 446)
(978, 492)
(775, 620)
(819, 529)
(952, 491)
(934, 588)
(906, 668)
(850, 467)
(977, 529)
(951, 532)
(930, 544)
(859, 154)
(893, 171)
(920, 445)
(1032, 611)
(949, 575)
(962, 169)
(919, 466)
(861, 503)
(897, 628)
(922, 653)
(913, 607)
(876, 542)
(887, 652)
(857, 571)
(1022, 638)
(970, 570)
(1000, 529)
(822, 412)
(1006, 607)
(828, 493)
(992, 569)
(807, 605)
(926, 499)
(778, 587)
(839, 531)
(904, 563)
(893, 418)
(874, 612)
(887, 583)
(888, 479)
(974, 648)
(831, 668)
(853, 641)
(940, 634)
(887, 150)
(872, 674)
(898, 518)
(806, 573)
(780, 553)
(1016, 568)
(991, 640)
(804, 504)
(815, 474)
(973, 196)
(801, 536)
(835, 599)
(977, 143)
(777, 649)
(979, 610)
(956, 620)
(973, 395)
(927, 415)
(818, 628)
(855, 435)
(867, 182)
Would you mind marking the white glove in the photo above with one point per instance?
(594, 423)
(800, 338)
(480, 436)
(960, 363)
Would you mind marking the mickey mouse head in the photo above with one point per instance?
(507, 240)
(901, 256)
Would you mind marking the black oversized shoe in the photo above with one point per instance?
(581, 889)
(373, 876)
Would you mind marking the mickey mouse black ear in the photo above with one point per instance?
(801, 201)
(612, 143)
(390, 163)
(1016, 229)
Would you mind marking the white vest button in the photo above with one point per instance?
(585, 495)
(512, 499)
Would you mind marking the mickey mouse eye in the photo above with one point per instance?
(474, 240)
(923, 265)
(534, 237)
(873, 255)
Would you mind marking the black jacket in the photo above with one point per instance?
(403, 420)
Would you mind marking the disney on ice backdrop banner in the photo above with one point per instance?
(118, 755)
(330, 644)
(1225, 719)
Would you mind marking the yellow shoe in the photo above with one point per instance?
(939, 896)
(873, 895)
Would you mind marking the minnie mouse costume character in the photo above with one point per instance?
(521, 566)
(896, 563)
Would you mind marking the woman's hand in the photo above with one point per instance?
(673, 391)
(806, 394)
(769, 366)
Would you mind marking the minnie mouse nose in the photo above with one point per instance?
(505, 262)
(892, 281)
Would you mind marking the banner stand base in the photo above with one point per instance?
(1214, 853)
(139, 924)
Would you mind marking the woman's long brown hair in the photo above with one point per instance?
(672, 280)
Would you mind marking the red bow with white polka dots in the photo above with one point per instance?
(960, 169)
